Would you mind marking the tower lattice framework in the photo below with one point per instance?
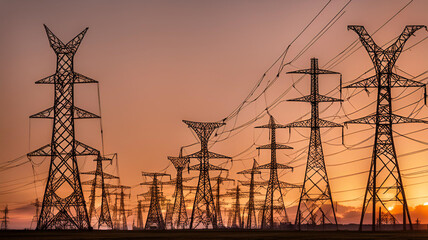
(154, 219)
(121, 213)
(250, 209)
(203, 211)
(274, 212)
(179, 216)
(384, 183)
(98, 182)
(315, 203)
(219, 180)
(63, 204)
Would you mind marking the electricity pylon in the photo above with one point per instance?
(274, 212)
(315, 198)
(63, 204)
(140, 215)
(179, 219)
(98, 182)
(154, 217)
(384, 182)
(121, 211)
(218, 181)
(203, 206)
(251, 222)
(236, 220)
(5, 218)
(36, 216)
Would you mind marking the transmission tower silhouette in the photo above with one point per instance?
(5, 218)
(36, 216)
(384, 183)
(219, 180)
(179, 219)
(203, 207)
(274, 212)
(315, 199)
(99, 182)
(236, 208)
(250, 209)
(140, 215)
(63, 204)
(121, 213)
(154, 217)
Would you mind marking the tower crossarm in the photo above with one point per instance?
(250, 171)
(313, 71)
(105, 175)
(396, 81)
(308, 123)
(385, 119)
(153, 175)
(317, 98)
(81, 150)
(277, 166)
(272, 126)
(275, 146)
(78, 78)
(78, 114)
(211, 155)
(209, 166)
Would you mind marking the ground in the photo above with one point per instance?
(210, 234)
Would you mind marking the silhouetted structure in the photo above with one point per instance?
(274, 213)
(154, 217)
(140, 215)
(315, 198)
(250, 210)
(384, 164)
(63, 204)
(36, 216)
(236, 208)
(98, 182)
(5, 218)
(121, 212)
(179, 219)
(219, 180)
(203, 206)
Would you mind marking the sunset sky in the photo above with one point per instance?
(161, 62)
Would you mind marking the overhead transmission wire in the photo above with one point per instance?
(262, 114)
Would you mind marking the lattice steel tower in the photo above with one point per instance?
(203, 206)
(154, 217)
(384, 183)
(316, 203)
(219, 180)
(179, 212)
(63, 204)
(98, 182)
(274, 213)
(250, 209)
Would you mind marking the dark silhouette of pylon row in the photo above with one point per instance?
(64, 206)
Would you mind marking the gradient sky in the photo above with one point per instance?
(159, 62)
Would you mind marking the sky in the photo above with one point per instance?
(161, 62)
